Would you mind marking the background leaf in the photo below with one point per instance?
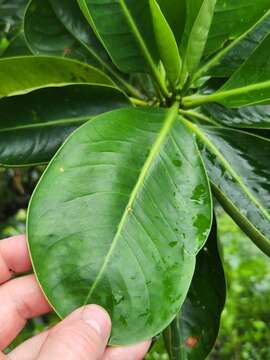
(238, 167)
(16, 47)
(134, 195)
(175, 13)
(26, 73)
(166, 43)
(193, 333)
(250, 84)
(242, 50)
(59, 28)
(199, 19)
(47, 117)
(232, 18)
(251, 117)
(126, 31)
(11, 14)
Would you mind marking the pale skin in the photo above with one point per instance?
(81, 336)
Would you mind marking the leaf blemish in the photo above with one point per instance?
(192, 341)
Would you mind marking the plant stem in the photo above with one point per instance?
(215, 60)
(193, 101)
(138, 102)
(198, 116)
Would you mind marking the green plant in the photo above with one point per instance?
(168, 97)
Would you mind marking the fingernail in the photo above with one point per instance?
(98, 319)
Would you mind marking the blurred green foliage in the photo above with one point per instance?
(11, 14)
(245, 325)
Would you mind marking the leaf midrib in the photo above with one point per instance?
(226, 164)
(89, 48)
(168, 122)
(136, 33)
(194, 29)
(142, 46)
(47, 124)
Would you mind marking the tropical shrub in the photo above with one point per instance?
(143, 111)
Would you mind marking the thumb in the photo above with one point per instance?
(81, 336)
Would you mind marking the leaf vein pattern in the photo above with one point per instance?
(162, 135)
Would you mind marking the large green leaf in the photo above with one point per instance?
(238, 165)
(233, 18)
(59, 28)
(121, 212)
(22, 74)
(193, 333)
(254, 117)
(199, 19)
(238, 54)
(125, 28)
(166, 43)
(175, 13)
(46, 117)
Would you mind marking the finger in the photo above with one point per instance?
(21, 299)
(14, 257)
(134, 352)
(83, 335)
(30, 349)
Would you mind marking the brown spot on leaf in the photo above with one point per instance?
(67, 51)
(192, 341)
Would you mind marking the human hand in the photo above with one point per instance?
(82, 336)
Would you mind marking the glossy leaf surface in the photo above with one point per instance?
(193, 333)
(59, 28)
(238, 166)
(232, 19)
(242, 50)
(199, 19)
(122, 210)
(22, 74)
(253, 117)
(175, 13)
(47, 117)
(125, 28)
(166, 43)
(251, 83)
